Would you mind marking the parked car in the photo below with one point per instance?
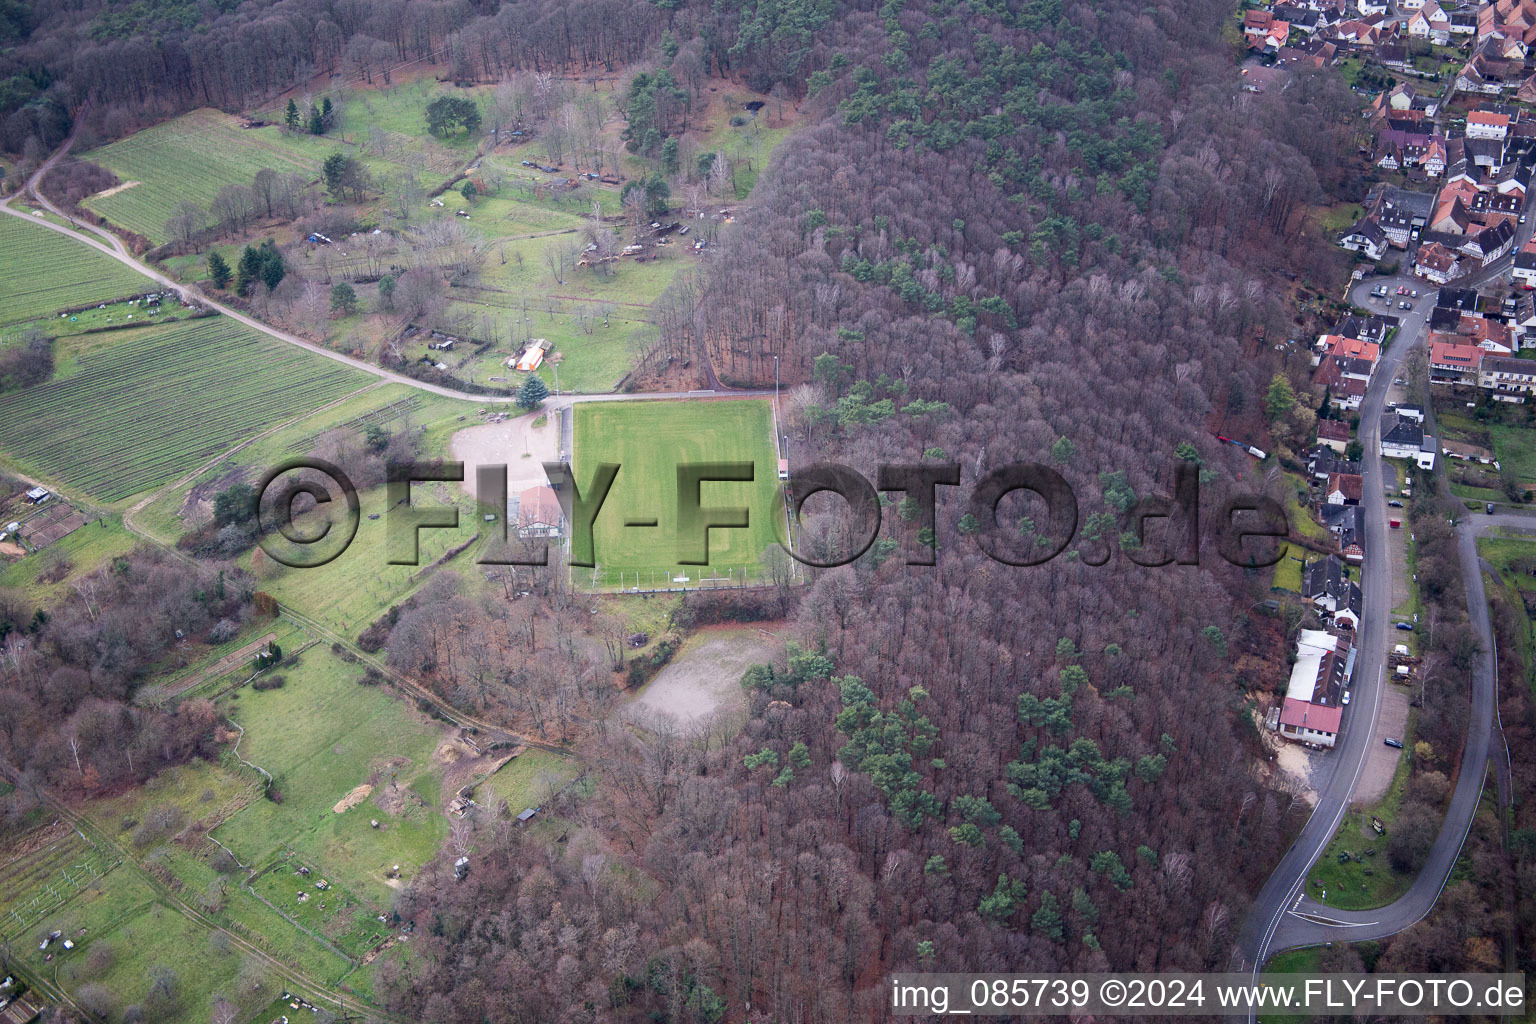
(1406, 627)
(1399, 381)
(1389, 741)
(1394, 503)
(1405, 305)
(1414, 292)
(1345, 700)
(1488, 508)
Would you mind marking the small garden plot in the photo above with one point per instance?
(46, 575)
(322, 735)
(75, 274)
(301, 891)
(115, 897)
(52, 522)
(101, 325)
(199, 794)
(138, 413)
(527, 780)
(348, 594)
(173, 968)
(594, 342)
(35, 884)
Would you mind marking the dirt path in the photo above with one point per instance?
(224, 664)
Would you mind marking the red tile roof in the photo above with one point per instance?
(1348, 484)
(1488, 117)
(1463, 356)
(1300, 714)
(1332, 430)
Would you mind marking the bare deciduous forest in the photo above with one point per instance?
(1040, 231)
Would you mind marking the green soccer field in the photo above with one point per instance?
(648, 440)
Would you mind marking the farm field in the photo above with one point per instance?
(349, 593)
(77, 274)
(157, 402)
(321, 736)
(192, 157)
(649, 439)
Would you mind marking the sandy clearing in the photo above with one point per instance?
(705, 675)
(115, 189)
(1295, 762)
(353, 798)
(515, 443)
(11, 549)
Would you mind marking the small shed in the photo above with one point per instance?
(527, 814)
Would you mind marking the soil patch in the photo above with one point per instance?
(705, 676)
(515, 443)
(115, 189)
(353, 798)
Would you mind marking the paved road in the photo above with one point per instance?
(1282, 916)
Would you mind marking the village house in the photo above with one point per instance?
(1256, 27)
(1509, 379)
(1347, 614)
(1460, 299)
(1344, 489)
(1323, 581)
(1367, 238)
(1488, 334)
(1335, 598)
(1524, 272)
(1482, 124)
(536, 511)
(1334, 434)
(1434, 262)
(1398, 211)
(1372, 328)
(1347, 524)
(1402, 437)
(1451, 362)
(1434, 157)
(1345, 392)
(1313, 709)
(1323, 462)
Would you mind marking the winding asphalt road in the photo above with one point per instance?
(1283, 916)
